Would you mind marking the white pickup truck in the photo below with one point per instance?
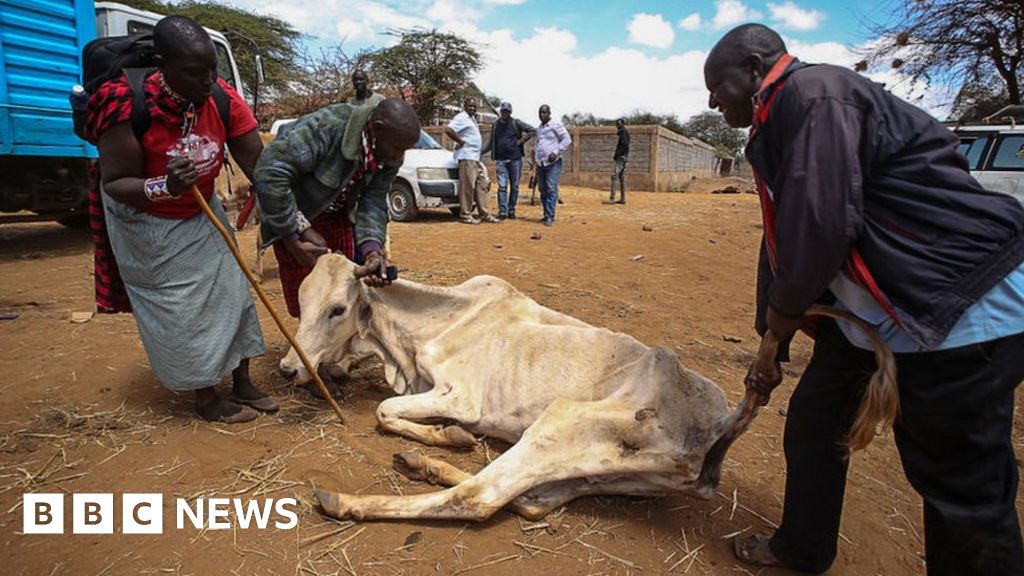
(995, 151)
(428, 178)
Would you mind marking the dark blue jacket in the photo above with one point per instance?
(850, 164)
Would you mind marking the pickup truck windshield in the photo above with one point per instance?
(426, 142)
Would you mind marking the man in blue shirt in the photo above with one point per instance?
(552, 141)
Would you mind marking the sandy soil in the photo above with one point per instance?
(83, 413)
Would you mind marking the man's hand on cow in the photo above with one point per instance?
(306, 248)
(765, 372)
(313, 237)
(181, 175)
(376, 267)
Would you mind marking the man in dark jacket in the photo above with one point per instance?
(868, 206)
(322, 186)
(621, 157)
(505, 144)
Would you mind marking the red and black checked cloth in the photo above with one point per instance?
(333, 225)
(111, 296)
(339, 234)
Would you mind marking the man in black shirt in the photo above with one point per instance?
(508, 135)
(621, 157)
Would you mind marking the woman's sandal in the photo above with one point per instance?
(243, 414)
(263, 403)
(754, 549)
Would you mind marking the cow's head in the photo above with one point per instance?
(330, 301)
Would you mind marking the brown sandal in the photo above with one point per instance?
(754, 549)
(263, 403)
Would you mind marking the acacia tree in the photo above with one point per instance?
(972, 44)
(584, 119)
(428, 67)
(710, 127)
(320, 80)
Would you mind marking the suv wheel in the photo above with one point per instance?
(402, 202)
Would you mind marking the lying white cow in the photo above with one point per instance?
(590, 411)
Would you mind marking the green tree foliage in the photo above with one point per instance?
(584, 119)
(975, 101)
(250, 34)
(965, 43)
(670, 121)
(428, 67)
(710, 127)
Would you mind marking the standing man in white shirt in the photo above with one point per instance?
(473, 181)
(552, 140)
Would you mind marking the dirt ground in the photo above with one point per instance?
(82, 412)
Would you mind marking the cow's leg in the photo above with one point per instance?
(542, 500)
(397, 415)
(417, 466)
(570, 440)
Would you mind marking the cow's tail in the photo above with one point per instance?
(881, 403)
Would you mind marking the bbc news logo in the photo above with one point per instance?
(144, 513)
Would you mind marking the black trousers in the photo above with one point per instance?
(954, 439)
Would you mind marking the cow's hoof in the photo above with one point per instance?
(412, 465)
(457, 436)
(334, 506)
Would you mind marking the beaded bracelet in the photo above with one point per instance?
(156, 189)
(302, 222)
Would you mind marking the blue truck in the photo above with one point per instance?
(43, 166)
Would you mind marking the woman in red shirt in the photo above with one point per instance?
(191, 302)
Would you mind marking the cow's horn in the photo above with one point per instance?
(362, 271)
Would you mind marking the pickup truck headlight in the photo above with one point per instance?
(432, 173)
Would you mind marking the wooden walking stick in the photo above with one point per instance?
(266, 302)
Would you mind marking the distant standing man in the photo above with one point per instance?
(621, 157)
(552, 140)
(465, 132)
(361, 83)
(508, 135)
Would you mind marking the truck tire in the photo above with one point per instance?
(402, 202)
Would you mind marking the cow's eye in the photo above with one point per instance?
(337, 311)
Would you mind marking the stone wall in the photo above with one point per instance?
(659, 159)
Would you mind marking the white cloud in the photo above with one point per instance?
(934, 99)
(651, 30)
(691, 22)
(790, 16)
(543, 68)
(452, 11)
(504, 2)
(732, 12)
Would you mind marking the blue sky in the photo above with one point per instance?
(607, 58)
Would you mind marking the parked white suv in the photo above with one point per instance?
(995, 153)
(428, 178)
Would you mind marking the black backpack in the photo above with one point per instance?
(106, 59)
